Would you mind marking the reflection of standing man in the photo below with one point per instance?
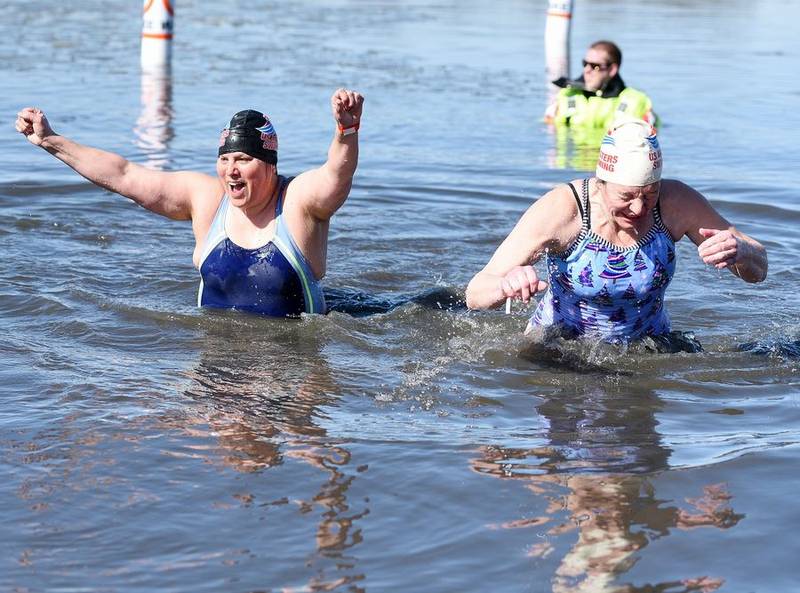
(599, 97)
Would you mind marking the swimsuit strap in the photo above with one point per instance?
(658, 221)
(578, 200)
(284, 184)
(586, 212)
(583, 208)
(283, 240)
(216, 232)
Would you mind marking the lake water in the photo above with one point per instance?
(400, 443)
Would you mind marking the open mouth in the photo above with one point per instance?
(235, 186)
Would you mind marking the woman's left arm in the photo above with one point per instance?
(719, 243)
(322, 191)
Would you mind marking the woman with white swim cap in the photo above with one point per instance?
(609, 243)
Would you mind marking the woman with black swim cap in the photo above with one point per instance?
(260, 238)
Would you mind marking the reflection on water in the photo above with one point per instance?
(261, 398)
(250, 407)
(154, 129)
(597, 472)
(574, 147)
(150, 446)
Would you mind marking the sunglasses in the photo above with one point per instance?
(594, 66)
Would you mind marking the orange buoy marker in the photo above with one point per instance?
(556, 39)
(157, 33)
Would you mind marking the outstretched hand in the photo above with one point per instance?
(521, 283)
(720, 249)
(32, 123)
(346, 106)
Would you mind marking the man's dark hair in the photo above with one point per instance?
(611, 48)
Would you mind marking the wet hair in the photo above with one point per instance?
(250, 132)
(611, 48)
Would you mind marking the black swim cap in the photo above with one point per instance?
(252, 133)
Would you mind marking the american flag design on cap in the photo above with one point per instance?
(268, 135)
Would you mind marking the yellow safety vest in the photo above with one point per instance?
(574, 109)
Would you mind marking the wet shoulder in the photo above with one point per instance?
(206, 194)
(295, 190)
(678, 204)
(559, 214)
(560, 202)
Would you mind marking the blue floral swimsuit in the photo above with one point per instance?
(600, 289)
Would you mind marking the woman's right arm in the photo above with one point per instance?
(550, 223)
(168, 194)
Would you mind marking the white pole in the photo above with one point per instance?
(556, 38)
(157, 27)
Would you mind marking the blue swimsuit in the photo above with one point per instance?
(274, 279)
(600, 289)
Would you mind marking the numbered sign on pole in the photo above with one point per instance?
(157, 28)
(556, 38)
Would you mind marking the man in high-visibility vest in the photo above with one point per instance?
(599, 97)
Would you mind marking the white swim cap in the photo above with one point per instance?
(630, 154)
